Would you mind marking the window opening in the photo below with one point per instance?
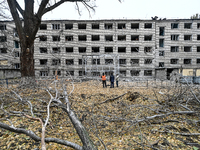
(109, 61)
(122, 72)
(187, 61)
(3, 50)
(82, 26)
(69, 73)
(121, 26)
(148, 61)
(69, 38)
(108, 49)
(161, 42)
(174, 61)
(134, 37)
(56, 38)
(161, 64)
(187, 25)
(122, 61)
(121, 37)
(43, 26)
(43, 50)
(69, 26)
(3, 39)
(121, 49)
(82, 38)
(148, 25)
(162, 31)
(198, 25)
(187, 37)
(134, 49)
(135, 72)
(43, 61)
(69, 49)
(16, 54)
(95, 49)
(198, 48)
(161, 53)
(134, 62)
(82, 49)
(17, 66)
(198, 37)
(187, 48)
(55, 26)
(56, 50)
(108, 25)
(174, 25)
(95, 26)
(174, 49)
(148, 37)
(148, 49)
(174, 37)
(147, 72)
(58, 72)
(81, 62)
(16, 44)
(2, 27)
(43, 73)
(43, 38)
(134, 25)
(198, 61)
(55, 62)
(69, 62)
(81, 73)
(96, 61)
(108, 38)
(95, 38)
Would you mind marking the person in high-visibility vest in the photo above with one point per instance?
(103, 77)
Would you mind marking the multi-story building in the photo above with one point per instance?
(132, 48)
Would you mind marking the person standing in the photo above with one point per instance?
(112, 79)
(117, 79)
(103, 77)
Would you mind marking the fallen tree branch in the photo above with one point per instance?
(177, 133)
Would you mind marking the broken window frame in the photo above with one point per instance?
(187, 37)
(134, 62)
(70, 73)
(122, 61)
(148, 61)
(109, 61)
(69, 38)
(174, 49)
(82, 26)
(108, 37)
(95, 61)
(43, 73)
(108, 49)
(69, 49)
(134, 37)
(174, 61)
(174, 25)
(148, 72)
(148, 37)
(161, 31)
(95, 25)
(69, 61)
(58, 72)
(82, 61)
(135, 25)
(95, 38)
(148, 25)
(16, 54)
(56, 62)
(187, 25)
(82, 49)
(121, 49)
(43, 26)
(135, 72)
(43, 62)
(81, 73)
(68, 26)
(43, 50)
(174, 37)
(121, 25)
(82, 37)
(187, 61)
(17, 65)
(56, 26)
(148, 49)
(95, 49)
(135, 49)
(161, 42)
(56, 50)
(187, 48)
(161, 53)
(108, 26)
(161, 64)
(3, 50)
(55, 38)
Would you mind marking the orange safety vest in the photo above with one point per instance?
(103, 77)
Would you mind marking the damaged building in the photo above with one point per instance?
(132, 48)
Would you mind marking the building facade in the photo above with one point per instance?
(132, 48)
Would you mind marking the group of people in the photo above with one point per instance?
(112, 80)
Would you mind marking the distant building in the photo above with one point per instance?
(133, 48)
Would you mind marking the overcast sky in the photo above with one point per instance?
(128, 9)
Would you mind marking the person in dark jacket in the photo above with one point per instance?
(112, 79)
